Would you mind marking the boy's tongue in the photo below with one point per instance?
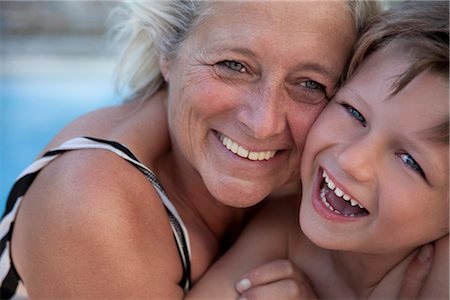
(342, 206)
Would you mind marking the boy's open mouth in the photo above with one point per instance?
(337, 201)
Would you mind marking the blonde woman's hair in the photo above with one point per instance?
(146, 30)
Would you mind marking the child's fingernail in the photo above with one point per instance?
(425, 253)
(243, 285)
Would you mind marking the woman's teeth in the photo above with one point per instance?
(242, 152)
(338, 191)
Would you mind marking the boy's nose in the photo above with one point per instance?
(358, 158)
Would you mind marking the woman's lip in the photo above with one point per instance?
(255, 154)
(250, 148)
(241, 151)
(250, 165)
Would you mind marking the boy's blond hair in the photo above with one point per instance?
(420, 29)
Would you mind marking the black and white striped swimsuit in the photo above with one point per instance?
(11, 285)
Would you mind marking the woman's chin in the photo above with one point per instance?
(237, 194)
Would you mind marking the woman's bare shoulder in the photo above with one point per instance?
(92, 222)
(139, 125)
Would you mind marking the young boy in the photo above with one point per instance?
(375, 179)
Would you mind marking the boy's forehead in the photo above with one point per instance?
(381, 70)
(422, 105)
(433, 90)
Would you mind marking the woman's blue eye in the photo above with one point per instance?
(313, 85)
(355, 114)
(409, 161)
(234, 65)
(307, 91)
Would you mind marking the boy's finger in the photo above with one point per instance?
(284, 289)
(416, 273)
(272, 271)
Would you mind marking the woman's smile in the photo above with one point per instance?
(245, 153)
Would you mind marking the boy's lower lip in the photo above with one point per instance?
(320, 207)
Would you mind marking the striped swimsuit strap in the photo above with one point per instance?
(178, 228)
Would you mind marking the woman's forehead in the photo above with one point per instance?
(279, 20)
(287, 28)
(275, 12)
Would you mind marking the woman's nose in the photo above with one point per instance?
(262, 112)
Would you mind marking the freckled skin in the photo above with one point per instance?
(95, 209)
(367, 151)
(263, 104)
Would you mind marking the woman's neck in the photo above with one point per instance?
(183, 184)
(190, 196)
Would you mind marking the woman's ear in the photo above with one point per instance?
(164, 67)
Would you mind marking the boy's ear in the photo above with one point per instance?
(164, 67)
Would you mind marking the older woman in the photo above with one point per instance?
(216, 87)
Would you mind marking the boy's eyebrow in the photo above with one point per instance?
(355, 96)
(437, 134)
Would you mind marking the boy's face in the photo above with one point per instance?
(378, 152)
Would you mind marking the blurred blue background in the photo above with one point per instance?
(55, 65)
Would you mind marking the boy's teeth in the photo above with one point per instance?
(338, 191)
(331, 185)
(242, 152)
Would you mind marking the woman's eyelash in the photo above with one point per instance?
(355, 114)
(307, 91)
(410, 163)
(313, 85)
(234, 66)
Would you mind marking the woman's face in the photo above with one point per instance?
(246, 87)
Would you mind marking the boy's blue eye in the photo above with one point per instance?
(234, 65)
(355, 114)
(409, 161)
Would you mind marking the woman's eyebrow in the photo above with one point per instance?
(319, 68)
(220, 46)
(243, 51)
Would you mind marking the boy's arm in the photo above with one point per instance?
(263, 240)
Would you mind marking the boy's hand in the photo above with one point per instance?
(417, 273)
(279, 279)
